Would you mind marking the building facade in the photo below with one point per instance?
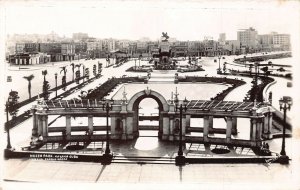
(248, 39)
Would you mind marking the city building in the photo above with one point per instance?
(232, 46)
(77, 37)
(281, 41)
(179, 49)
(222, 38)
(20, 48)
(29, 58)
(248, 40)
(265, 42)
(68, 51)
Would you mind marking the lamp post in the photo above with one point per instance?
(55, 84)
(134, 64)
(107, 106)
(83, 74)
(180, 159)
(7, 105)
(219, 69)
(285, 103)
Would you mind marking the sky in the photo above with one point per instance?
(183, 20)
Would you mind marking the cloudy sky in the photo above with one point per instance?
(184, 20)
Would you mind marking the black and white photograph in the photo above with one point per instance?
(128, 94)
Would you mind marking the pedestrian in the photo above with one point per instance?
(267, 146)
(40, 138)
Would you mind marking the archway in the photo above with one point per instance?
(133, 107)
(148, 118)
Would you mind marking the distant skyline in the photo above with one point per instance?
(134, 20)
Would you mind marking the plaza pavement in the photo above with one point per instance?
(274, 176)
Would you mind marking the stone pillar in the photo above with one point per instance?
(210, 124)
(253, 129)
(205, 128)
(45, 125)
(270, 123)
(228, 129)
(161, 125)
(129, 127)
(113, 122)
(166, 128)
(90, 124)
(39, 125)
(35, 122)
(135, 123)
(68, 126)
(171, 129)
(266, 123)
(187, 121)
(234, 125)
(259, 129)
(124, 130)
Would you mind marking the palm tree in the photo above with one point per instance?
(29, 78)
(64, 69)
(73, 68)
(64, 79)
(44, 73)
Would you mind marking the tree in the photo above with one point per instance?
(73, 68)
(265, 70)
(12, 110)
(250, 68)
(64, 81)
(29, 78)
(46, 86)
(44, 73)
(224, 67)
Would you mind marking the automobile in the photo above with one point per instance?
(281, 69)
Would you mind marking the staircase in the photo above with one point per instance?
(162, 76)
(143, 160)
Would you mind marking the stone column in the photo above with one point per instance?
(35, 122)
(129, 127)
(171, 129)
(45, 125)
(166, 128)
(90, 124)
(259, 129)
(39, 125)
(205, 128)
(113, 123)
(135, 123)
(270, 117)
(187, 121)
(234, 125)
(266, 123)
(228, 129)
(253, 129)
(210, 124)
(124, 128)
(68, 126)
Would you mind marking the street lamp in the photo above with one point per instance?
(55, 84)
(219, 69)
(107, 106)
(83, 67)
(134, 64)
(7, 105)
(285, 103)
(180, 159)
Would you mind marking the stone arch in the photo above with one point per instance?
(133, 105)
(138, 97)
